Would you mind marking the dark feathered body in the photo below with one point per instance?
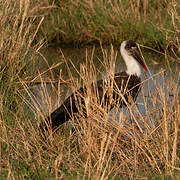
(123, 89)
(124, 86)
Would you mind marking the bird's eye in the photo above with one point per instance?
(130, 45)
(133, 48)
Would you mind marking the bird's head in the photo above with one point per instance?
(132, 57)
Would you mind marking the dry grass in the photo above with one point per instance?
(147, 146)
(139, 145)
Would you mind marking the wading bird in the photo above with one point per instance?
(126, 86)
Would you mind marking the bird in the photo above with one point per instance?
(126, 87)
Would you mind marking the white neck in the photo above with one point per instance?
(133, 67)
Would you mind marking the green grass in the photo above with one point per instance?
(84, 22)
(94, 152)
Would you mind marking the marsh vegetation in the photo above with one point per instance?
(136, 144)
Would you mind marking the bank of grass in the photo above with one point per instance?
(84, 21)
(95, 150)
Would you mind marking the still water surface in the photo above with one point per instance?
(50, 95)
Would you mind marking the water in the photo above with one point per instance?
(48, 96)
